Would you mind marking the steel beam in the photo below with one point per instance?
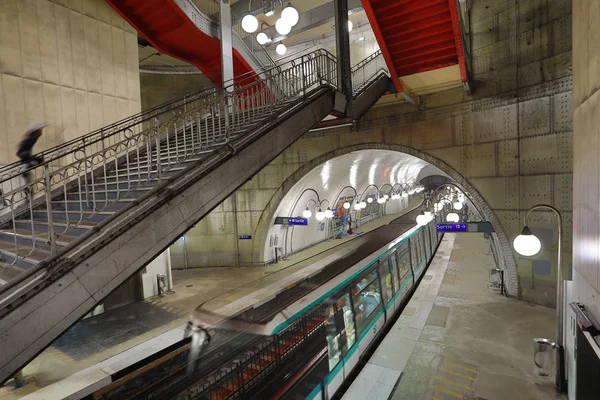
(342, 45)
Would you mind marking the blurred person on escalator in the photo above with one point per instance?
(25, 149)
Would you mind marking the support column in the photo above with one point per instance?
(226, 42)
(342, 46)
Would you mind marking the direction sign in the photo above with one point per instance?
(481, 227)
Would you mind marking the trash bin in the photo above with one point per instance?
(543, 351)
(161, 283)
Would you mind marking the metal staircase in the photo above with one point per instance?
(102, 206)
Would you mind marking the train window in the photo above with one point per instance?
(387, 291)
(394, 268)
(403, 260)
(334, 344)
(343, 304)
(366, 299)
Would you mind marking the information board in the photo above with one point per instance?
(480, 227)
(291, 221)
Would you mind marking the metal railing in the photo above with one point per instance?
(90, 179)
(367, 70)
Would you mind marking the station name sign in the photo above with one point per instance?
(291, 221)
(481, 227)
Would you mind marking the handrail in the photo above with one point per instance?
(143, 155)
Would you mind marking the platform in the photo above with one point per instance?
(459, 339)
(84, 357)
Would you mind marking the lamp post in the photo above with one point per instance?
(527, 244)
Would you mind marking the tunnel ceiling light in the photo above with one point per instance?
(290, 15)
(346, 205)
(281, 49)
(452, 217)
(363, 205)
(306, 213)
(369, 200)
(262, 38)
(421, 220)
(357, 207)
(282, 27)
(458, 205)
(328, 213)
(527, 244)
(350, 26)
(320, 215)
(249, 23)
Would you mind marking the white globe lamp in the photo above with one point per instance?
(452, 217)
(357, 207)
(281, 49)
(429, 216)
(527, 244)
(249, 23)
(328, 213)
(320, 215)
(404, 194)
(458, 205)
(369, 200)
(381, 200)
(282, 27)
(346, 206)
(363, 205)
(306, 213)
(290, 15)
(421, 220)
(262, 38)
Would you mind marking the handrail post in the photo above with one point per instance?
(226, 104)
(157, 139)
(303, 76)
(48, 189)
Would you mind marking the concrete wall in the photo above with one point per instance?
(72, 63)
(158, 89)
(511, 142)
(586, 140)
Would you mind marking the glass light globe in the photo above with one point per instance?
(421, 220)
(458, 205)
(282, 27)
(320, 215)
(249, 23)
(369, 199)
(527, 244)
(262, 38)
(452, 217)
(306, 213)
(381, 200)
(346, 205)
(385, 196)
(328, 213)
(363, 204)
(411, 191)
(357, 207)
(404, 194)
(281, 49)
(290, 15)
(429, 216)
(350, 26)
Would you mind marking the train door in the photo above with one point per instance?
(387, 290)
(341, 335)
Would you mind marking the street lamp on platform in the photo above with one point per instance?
(527, 244)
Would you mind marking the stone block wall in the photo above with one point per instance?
(71, 63)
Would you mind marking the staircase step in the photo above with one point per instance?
(24, 238)
(73, 217)
(74, 229)
(26, 258)
(76, 205)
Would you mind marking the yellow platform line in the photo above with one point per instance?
(446, 370)
(449, 382)
(460, 366)
(450, 392)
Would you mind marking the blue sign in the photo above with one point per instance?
(452, 227)
(298, 221)
(245, 237)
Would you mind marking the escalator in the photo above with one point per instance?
(102, 206)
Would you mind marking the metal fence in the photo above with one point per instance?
(366, 71)
(90, 177)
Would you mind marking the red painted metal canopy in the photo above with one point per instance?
(171, 32)
(417, 35)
